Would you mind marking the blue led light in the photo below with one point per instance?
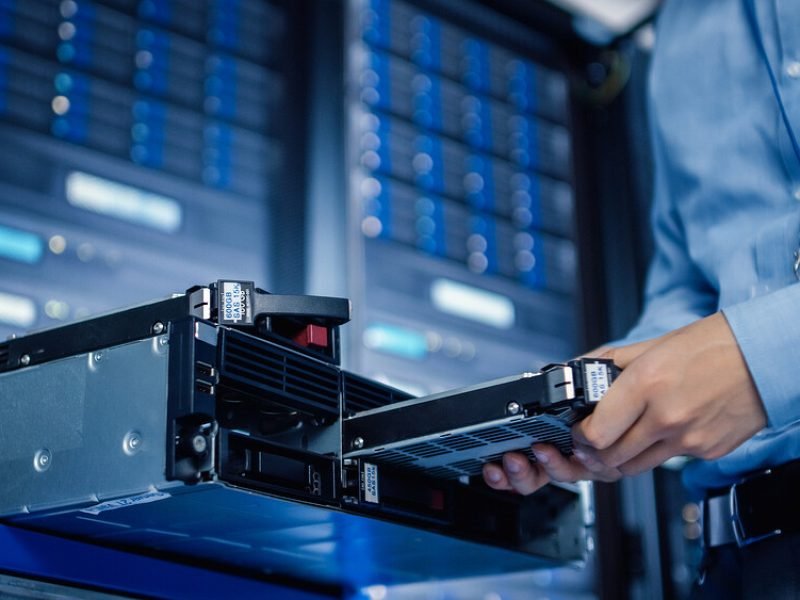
(396, 340)
(63, 83)
(21, 246)
(65, 52)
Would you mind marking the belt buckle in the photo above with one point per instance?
(740, 533)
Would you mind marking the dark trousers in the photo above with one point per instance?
(767, 569)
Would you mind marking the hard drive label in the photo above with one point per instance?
(596, 381)
(235, 306)
(371, 483)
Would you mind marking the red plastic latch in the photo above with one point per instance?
(312, 335)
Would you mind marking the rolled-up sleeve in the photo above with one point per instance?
(767, 329)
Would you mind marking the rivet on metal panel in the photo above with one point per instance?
(513, 408)
(25, 360)
(358, 443)
(158, 327)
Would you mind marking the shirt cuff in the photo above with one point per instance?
(767, 329)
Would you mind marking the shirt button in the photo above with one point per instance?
(793, 69)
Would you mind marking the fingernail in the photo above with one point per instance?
(513, 466)
(493, 476)
(541, 456)
(580, 455)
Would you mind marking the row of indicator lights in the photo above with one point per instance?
(224, 16)
(21, 311)
(475, 117)
(85, 251)
(477, 245)
(475, 109)
(415, 345)
(477, 59)
(474, 183)
(522, 150)
(26, 247)
(222, 75)
(521, 76)
(216, 158)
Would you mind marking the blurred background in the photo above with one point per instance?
(473, 174)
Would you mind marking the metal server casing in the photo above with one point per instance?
(205, 443)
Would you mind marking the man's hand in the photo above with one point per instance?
(686, 393)
(520, 475)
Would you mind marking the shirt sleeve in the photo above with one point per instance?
(676, 291)
(767, 330)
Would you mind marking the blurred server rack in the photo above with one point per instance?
(467, 244)
(462, 202)
(140, 149)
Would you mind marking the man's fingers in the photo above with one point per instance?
(495, 477)
(598, 470)
(622, 405)
(649, 459)
(520, 475)
(630, 444)
(612, 417)
(524, 477)
(557, 466)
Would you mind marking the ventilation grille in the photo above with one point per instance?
(291, 379)
(393, 458)
(362, 394)
(4, 354)
(462, 454)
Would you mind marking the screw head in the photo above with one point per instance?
(98, 356)
(42, 460)
(132, 442)
(513, 408)
(158, 327)
(199, 443)
(25, 360)
(358, 443)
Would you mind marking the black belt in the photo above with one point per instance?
(759, 506)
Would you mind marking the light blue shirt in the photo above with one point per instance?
(726, 209)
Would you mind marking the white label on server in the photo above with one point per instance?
(596, 381)
(233, 301)
(125, 502)
(371, 483)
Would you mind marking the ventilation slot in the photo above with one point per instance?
(4, 354)
(361, 394)
(466, 453)
(290, 379)
(393, 458)
(495, 434)
(426, 450)
(461, 442)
